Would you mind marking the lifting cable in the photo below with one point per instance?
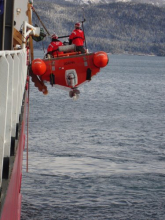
(40, 20)
(41, 24)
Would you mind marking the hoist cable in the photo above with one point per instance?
(40, 21)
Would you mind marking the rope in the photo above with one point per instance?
(27, 144)
(40, 20)
(84, 33)
(43, 47)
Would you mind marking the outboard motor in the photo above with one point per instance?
(74, 94)
(71, 78)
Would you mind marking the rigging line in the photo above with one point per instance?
(83, 26)
(84, 34)
(43, 48)
(84, 19)
(27, 144)
(40, 20)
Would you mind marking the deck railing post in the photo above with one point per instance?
(4, 76)
(13, 74)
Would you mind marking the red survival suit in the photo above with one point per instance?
(77, 37)
(53, 47)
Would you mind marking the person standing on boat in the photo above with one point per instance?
(53, 46)
(77, 38)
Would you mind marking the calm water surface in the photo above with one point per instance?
(102, 156)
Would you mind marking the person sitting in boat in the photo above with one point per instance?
(53, 46)
(77, 38)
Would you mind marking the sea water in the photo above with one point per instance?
(102, 156)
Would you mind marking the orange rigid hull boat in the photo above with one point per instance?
(70, 70)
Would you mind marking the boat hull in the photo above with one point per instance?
(70, 71)
(11, 209)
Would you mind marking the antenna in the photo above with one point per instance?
(83, 26)
(83, 14)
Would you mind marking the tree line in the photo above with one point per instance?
(114, 28)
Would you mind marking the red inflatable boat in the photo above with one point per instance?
(70, 69)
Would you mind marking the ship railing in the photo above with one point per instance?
(13, 74)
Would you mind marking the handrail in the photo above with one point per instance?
(13, 74)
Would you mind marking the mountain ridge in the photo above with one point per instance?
(114, 27)
(81, 2)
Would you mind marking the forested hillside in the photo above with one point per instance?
(115, 27)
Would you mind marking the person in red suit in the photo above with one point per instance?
(53, 46)
(77, 38)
